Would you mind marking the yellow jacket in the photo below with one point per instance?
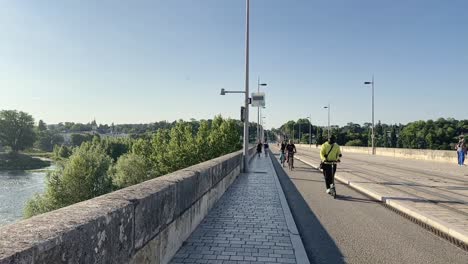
(334, 154)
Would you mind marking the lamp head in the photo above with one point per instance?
(223, 92)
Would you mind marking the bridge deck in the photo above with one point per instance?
(249, 224)
(432, 192)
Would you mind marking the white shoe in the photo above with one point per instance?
(332, 186)
(327, 191)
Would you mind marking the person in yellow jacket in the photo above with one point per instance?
(330, 154)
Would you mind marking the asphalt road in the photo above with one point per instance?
(355, 229)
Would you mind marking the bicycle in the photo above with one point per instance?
(291, 161)
(332, 186)
(282, 158)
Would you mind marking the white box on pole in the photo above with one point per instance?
(258, 99)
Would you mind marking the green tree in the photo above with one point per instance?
(130, 169)
(62, 152)
(16, 130)
(78, 139)
(41, 126)
(46, 140)
(83, 176)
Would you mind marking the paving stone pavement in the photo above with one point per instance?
(247, 225)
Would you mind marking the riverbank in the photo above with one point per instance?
(18, 161)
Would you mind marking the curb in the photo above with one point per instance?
(299, 250)
(461, 239)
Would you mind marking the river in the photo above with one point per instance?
(16, 187)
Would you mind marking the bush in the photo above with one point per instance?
(355, 143)
(83, 176)
(130, 169)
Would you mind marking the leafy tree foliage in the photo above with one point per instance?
(130, 169)
(83, 176)
(78, 139)
(101, 165)
(16, 130)
(46, 140)
(440, 134)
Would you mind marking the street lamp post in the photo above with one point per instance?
(299, 140)
(258, 109)
(373, 125)
(245, 150)
(328, 107)
(246, 117)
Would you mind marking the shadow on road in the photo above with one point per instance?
(353, 199)
(318, 244)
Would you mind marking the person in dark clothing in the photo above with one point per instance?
(290, 149)
(283, 146)
(259, 148)
(265, 147)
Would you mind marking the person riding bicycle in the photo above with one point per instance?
(291, 149)
(283, 146)
(330, 154)
(282, 154)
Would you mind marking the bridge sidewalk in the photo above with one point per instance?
(434, 198)
(251, 223)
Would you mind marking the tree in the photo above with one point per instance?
(16, 130)
(130, 169)
(78, 139)
(83, 176)
(41, 126)
(46, 140)
(62, 152)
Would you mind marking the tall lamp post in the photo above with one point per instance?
(262, 131)
(258, 109)
(373, 125)
(299, 134)
(328, 107)
(245, 114)
(246, 117)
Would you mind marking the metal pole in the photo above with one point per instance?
(246, 117)
(300, 133)
(293, 133)
(310, 131)
(373, 126)
(316, 139)
(328, 121)
(258, 112)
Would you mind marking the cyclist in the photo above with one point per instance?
(283, 146)
(291, 149)
(282, 152)
(330, 154)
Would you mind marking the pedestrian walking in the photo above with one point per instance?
(461, 151)
(259, 148)
(265, 148)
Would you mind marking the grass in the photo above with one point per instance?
(19, 161)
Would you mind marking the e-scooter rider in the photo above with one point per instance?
(330, 155)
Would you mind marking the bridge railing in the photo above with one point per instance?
(418, 154)
(144, 223)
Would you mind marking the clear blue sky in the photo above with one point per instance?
(144, 61)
